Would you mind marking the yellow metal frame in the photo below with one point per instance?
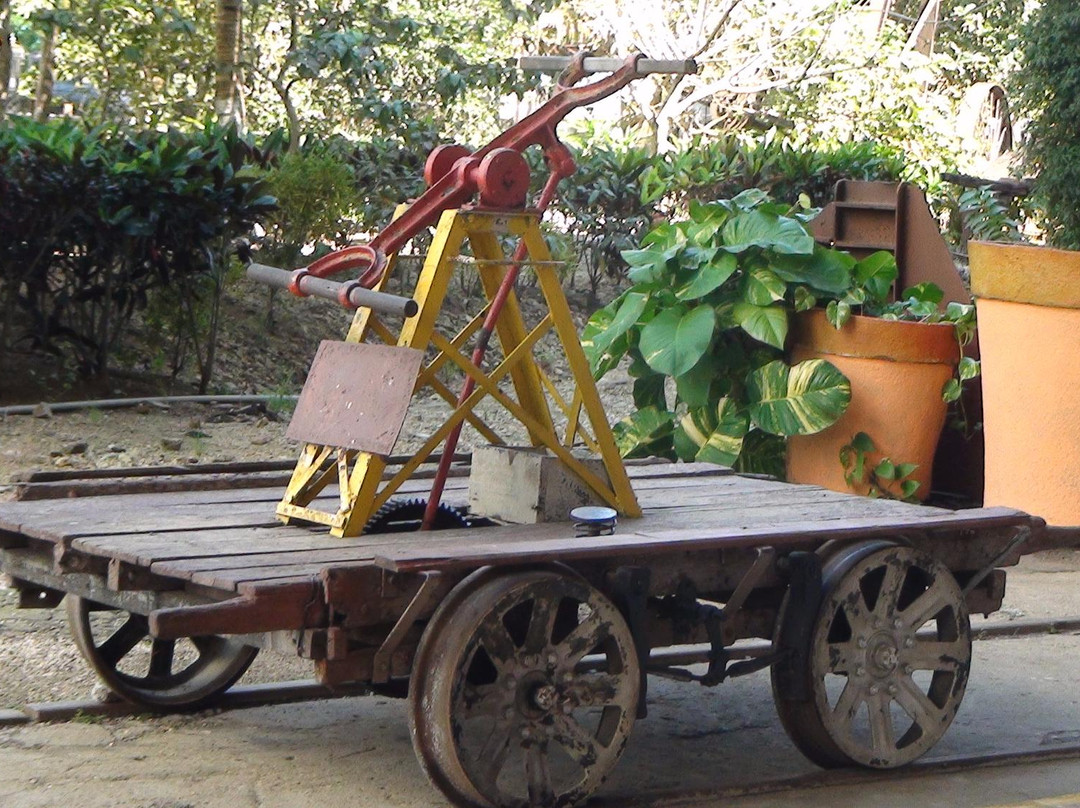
(362, 478)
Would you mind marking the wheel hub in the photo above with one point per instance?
(537, 695)
(545, 697)
(883, 655)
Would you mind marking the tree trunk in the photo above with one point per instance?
(228, 17)
(5, 55)
(43, 94)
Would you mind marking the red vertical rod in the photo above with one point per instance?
(482, 340)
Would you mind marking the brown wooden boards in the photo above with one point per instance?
(229, 540)
(450, 553)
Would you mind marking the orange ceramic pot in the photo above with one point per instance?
(1028, 306)
(897, 371)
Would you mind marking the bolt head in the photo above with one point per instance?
(898, 623)
(508, 712)
(909, 642)
(552, 659)
(908, 670)
(874, 690)
(525, 733)
(893, 690)
(861, 642)
(860, 671)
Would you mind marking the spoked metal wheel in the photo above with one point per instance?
(150, 672)
(882, 692)
(524, 691)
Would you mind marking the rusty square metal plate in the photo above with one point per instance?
(356, 396)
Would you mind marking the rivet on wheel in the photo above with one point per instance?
(860, 671)
(908, 670)
(525, 733)
(552, 659)
(861, 642)
(509, 712)
(898, 623)
(510, 682)
(893, 690)
(909, 642)
(874, 690)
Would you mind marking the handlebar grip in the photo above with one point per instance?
(604, 64)
(350, 293)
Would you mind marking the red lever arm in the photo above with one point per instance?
(458, 186)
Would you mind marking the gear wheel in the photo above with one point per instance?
(405, 516)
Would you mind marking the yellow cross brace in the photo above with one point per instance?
(363, 483)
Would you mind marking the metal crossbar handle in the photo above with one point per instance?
(350, 293)
(604, 64)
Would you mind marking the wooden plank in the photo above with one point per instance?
(31, 492)
(100, 517)
(437, 555)
(230, 580)
(186, 568)
(204, 549)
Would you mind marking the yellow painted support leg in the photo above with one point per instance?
(360, 475)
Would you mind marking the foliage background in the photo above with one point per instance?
(339, 102)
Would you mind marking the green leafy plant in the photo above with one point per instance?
(704, 326)
(881, 477)
(917, 304)
(1047, 85)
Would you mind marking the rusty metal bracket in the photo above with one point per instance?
(424, 598)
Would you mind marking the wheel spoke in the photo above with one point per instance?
(208, 646)
(934, 656)
(927, 605)
(584, 638)
(496, 640)
(483, 700)
(916, 703)
(161, 658)
(851, 698)
(881, 726)
(541, 624)
(493, 754)
(596, 689)
(538, 775)
(841, 657)
(889, 594)
(577, 742)
(120, 644)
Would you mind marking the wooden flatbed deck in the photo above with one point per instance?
(223, 544)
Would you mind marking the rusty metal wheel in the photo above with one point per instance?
(524, 691)
(154, 673)
(887, 662)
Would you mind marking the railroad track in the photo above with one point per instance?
(953, 764)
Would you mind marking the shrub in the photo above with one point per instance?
(1048, 86)
(94, 222)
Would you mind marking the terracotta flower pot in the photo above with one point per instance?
(897, 371)
(1028, 306)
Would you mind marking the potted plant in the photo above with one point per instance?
(905, 364)
(1028, 297)
(716, 328)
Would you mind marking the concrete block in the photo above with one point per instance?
(524, 485)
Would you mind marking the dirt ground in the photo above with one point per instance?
(357, 751)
